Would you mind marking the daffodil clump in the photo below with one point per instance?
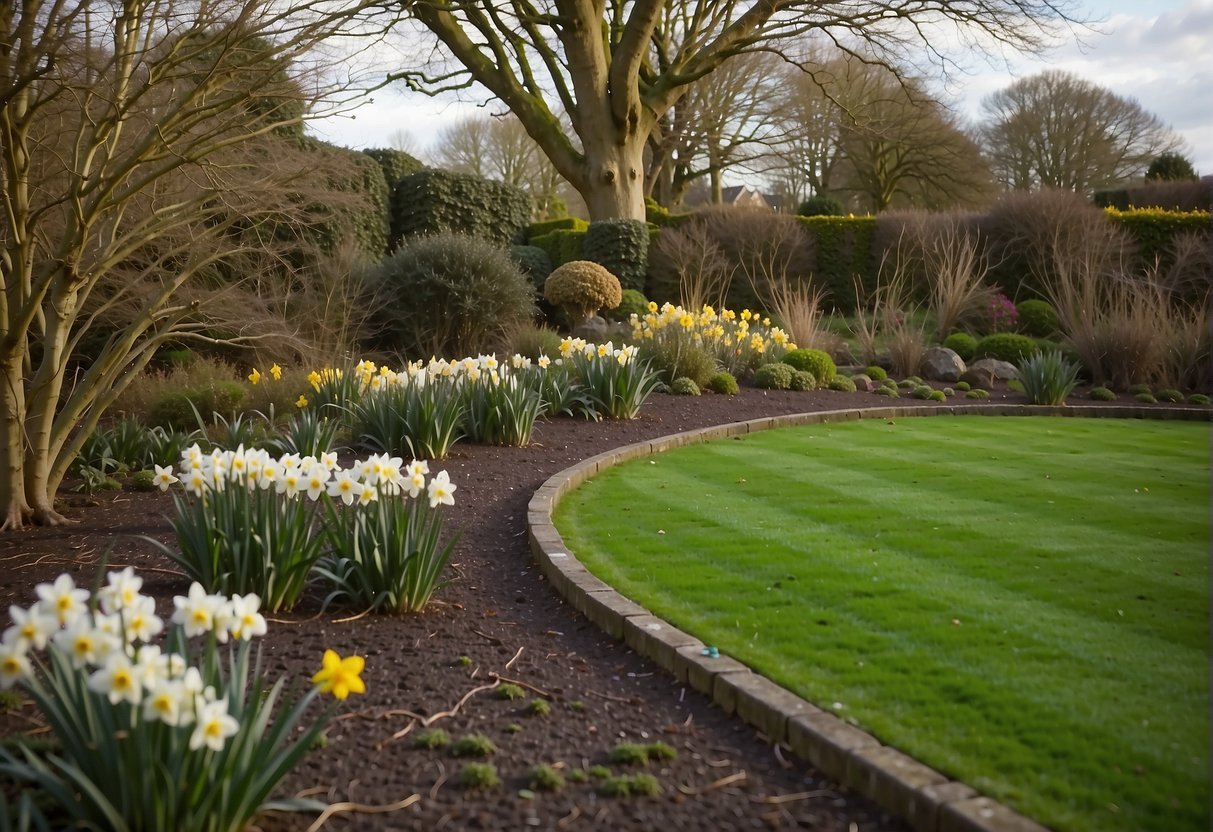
(739, 342)
(129, 696)
(249, 521)
(617, 380)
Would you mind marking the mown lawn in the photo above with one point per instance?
(1022, 603)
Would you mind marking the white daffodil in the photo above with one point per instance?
(63, 598)
(246, 622)
(14, 664)
(118, 680)
(33, 626)
(544, 362)
(316, 479)
(329, 460)
(345, 486)
(441, 490)
(167, 701)
(140, 622)
(197, 481)
(164, 477)
(213, 725)
(120, 591)
(367, 493)
(196, 611)
(289, 483)
(84, 644)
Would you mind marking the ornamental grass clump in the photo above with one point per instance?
(1048, 378)
(157, 726)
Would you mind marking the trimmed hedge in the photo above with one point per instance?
(437, 201)
(844, 248)
(534, 262)
(563, 246)
(1153, 229)
(538, 229)
(622, 246)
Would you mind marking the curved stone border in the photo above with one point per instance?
(928, 800)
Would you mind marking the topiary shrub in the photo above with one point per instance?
(842, 384)
(632, 303)
(439, 201)
(817, 362)
(1138, 389)
(1170, 396)
(1101, 394)
(773, 376)
(1146, 398)
(724, 384)
(684, 386)
(803, 380)
(534, 263)
(977, 393)
(448, 295)
(582, 288)
(938, 396)
(820, 205)
(962, 386)
(1037, 318)
(963, 344)
(922, 391)
(876, 373)
(1198, 398)
(1006, 346)
(622, 246)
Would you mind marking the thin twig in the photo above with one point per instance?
(516, 655)
(736, 777)
(362, 809)
(565, 821)
(780, 799)
(521, 684)
(492, 639)
(610, 697)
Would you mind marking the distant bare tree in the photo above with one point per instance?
(1057, 130)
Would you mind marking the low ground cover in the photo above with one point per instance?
(1021, 603)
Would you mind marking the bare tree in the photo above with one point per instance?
(1057, 130)
(597, 61)
(120, 181)
(498, 148)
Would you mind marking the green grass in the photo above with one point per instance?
(1022, 603)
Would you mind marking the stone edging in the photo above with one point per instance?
(928, 800)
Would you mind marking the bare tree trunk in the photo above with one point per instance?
(614, 182)
(15, 508)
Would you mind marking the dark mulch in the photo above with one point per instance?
(500, 613)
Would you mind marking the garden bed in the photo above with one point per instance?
(501, 616)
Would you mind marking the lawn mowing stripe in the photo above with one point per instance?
(1040, 620)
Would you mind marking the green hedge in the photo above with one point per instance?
(538, 229)
(562, 245)
(1153, 229)
(434, 201)
(622, 246)
(843, 248)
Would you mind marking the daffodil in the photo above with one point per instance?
(345, 486)
(213, 726)
(14, 664)
(276, 372)
(255, 376)
(441, 490)
(301, 401)
(246, 622)
(164, 477)
(63, 598)
(117, 680)
(31, 628)
(196, 611)
(339, 676)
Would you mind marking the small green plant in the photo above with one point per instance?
(464, 661)
(1170, 396)
(938, 396)
(509, 691)
(723, 383)
(10, 700)
(1137, 389)
(1146, 398)
(632, 754)
(143, 481)
(803, 380)
(513, 728)
(578, 775)
(538, 707)
(908, 383)
(1198, 398)
(876, 373)
(817, 362)
(659, 751)
(544, 778)
(479, 776)
(642, 785)
(891, 392)
(432, 739)
(842, 384)
(961, 343)
(949, 392)
(963, 386)
(1101, 394)
(1016, 385)
(577, 705)
(684, 386)
(1047, 378)
(922, 391)
(473, 745)
(977, 393)
(773, 377)
(600, 772)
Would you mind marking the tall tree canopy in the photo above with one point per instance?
(618, 66)
(1057, 130)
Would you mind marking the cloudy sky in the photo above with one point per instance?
(1158, 52)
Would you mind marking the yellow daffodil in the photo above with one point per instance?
(255, 376)
(313, 378)
(301, 401)
(339, 676)
(276, 372)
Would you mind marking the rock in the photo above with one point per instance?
(841, 353)
(863, 383)
(986, 371)
(941, 364)
(593, 329)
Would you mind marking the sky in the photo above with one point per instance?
(1159, 52)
